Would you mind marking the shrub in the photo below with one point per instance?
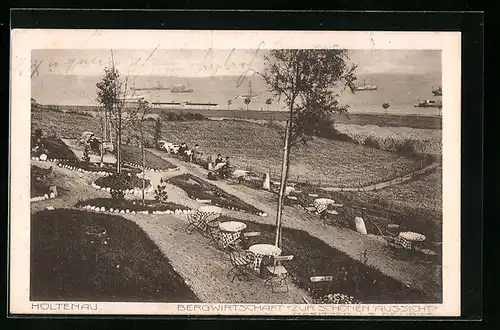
(161, 195)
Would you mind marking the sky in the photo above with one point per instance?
(204, 63)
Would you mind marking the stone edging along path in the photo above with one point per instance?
(102, 209)
(44, 197)
(149, 189)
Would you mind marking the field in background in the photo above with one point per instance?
(390, 120)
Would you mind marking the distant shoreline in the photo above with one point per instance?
(376, 119)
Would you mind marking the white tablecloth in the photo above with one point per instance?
(261, 250)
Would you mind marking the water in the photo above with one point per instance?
(401, 91)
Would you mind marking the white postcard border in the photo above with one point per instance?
(25, 40)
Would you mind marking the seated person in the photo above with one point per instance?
(182, 149)
(219, 159)
(196, 155)
(226, 169)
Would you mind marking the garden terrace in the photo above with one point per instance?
(77, 257)
(132, 205)
(378, 212)
(133, 155)
(122, 181)
(313, 257)
(199, 189)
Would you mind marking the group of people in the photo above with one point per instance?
(219, 168)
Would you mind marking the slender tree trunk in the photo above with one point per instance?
(284, 171)
(103, 133)
(143, 165)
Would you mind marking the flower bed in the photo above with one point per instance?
(137, 166)
(199, 189)
(106, 170)
(125, 182)
(129, 206)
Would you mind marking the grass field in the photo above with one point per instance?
(259, 148)
(69, 261)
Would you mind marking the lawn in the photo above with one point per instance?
(256, 147)
(425, 191)
(313, 257)
(134, 155)
(70, 261)
(259, 148)
(55, 148)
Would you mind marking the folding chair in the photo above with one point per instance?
(195, 221)
(278, 272)
(240, 260)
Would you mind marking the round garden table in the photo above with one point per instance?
(321, 204)
(409, 239)
(230, 231)
(262, 250)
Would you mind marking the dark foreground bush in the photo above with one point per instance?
(78, 256)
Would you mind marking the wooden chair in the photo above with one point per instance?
(278, 272)
(241, 261)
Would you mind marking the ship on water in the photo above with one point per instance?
(429, 104)
(250, 94)
(366, 87)
(181, 89)
(159, 86)
(438, 91)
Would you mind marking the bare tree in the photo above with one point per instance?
(111, 96)
(307, 81)
(143, 109)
